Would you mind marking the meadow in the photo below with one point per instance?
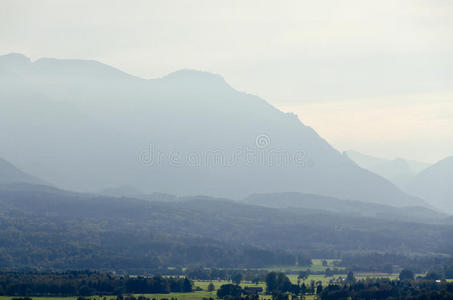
(197, 295)
(201, 286)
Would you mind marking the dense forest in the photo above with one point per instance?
(48, 229)
(384, 263)
(405, 288)
(389, 289)
(87, 284)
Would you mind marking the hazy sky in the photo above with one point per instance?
(373, 76)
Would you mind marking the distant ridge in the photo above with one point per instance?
(435, 184)
(399, 171)
(312, 202)
(94, 126)
(10, 174)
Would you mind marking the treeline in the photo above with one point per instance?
(250, 275)
(406, 288)
(200, 273)
(389, 289)
(277, 284)
(391, 263)
(88, 284)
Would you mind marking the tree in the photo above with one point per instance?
(278, 282)
(232, 290)
(211, 287)
(303, 289)
(187, 286)
(304, 260)
(312, 287)
(271, 282)
(328, 272)
(237, 278)
(350, 278)
(304, 274)
(85, 291)
(319, 289)
(449, 272)
(277, 295)
(387, 268)
(406, 275)
(433, 276)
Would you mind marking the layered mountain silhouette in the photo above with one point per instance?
(399, 171)
(9, 174)
(311, 202)
(87, 126)
(86, 231)
(435, 184)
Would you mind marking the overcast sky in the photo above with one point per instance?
(372, 76)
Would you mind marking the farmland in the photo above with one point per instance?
(303, 281)
(201, 286)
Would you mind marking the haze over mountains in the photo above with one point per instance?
(316, 203)
(185, 170)
(10, 174)
(86, 126)
(436, 184)
(399, 171)
(431, 183)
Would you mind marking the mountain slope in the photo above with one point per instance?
(399, 171)
(10, 174)
(50, 228)
(298, 201)
(435, 184)
(186, 133)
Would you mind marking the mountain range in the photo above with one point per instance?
(435, 184)
(86, 126)
(311, 202)
(432, 183)
(399, 171)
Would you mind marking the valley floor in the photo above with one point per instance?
(198, 295)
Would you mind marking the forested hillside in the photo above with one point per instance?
(46, 228)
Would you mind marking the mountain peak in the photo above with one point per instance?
(434, 184)
(446, 163)
(448, 159)
(192, 73)
(14, 60)
(189, 112)
(196, 77)
(80, 67)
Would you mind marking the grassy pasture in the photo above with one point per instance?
(198, 295)
(316, 278)
(217, 284)
(316, 266)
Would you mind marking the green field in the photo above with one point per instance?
(179, 296)
(217, 284)
(290, 271)
(316, 266)
(187, 296)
